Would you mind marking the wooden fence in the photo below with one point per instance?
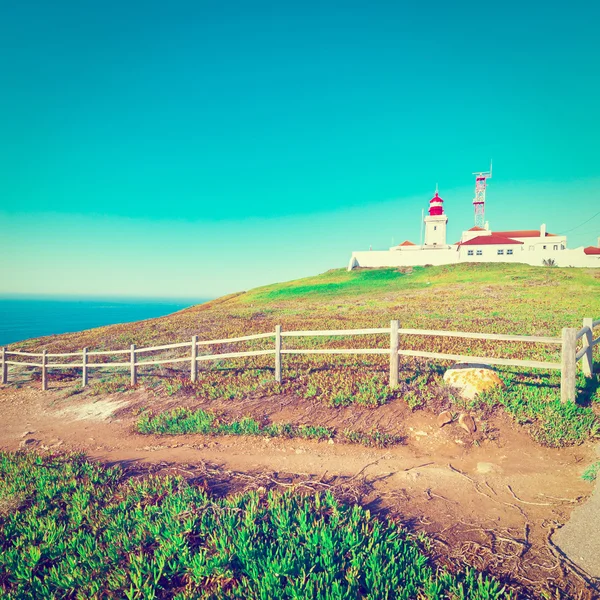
(569, 340)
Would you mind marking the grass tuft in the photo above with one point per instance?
(185, 421)
(591, 473)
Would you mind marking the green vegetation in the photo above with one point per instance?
(549, 421)
(373, 438)
(591, 473)
(184, 421)
(73, 529)
(366, 385)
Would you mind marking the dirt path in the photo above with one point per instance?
(493, 505)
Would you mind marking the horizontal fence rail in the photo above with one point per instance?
(334, 332)
(483, 336)
(509, 362)
(568, 341)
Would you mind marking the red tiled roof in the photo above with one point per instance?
(592, 250)
(477, 229)
(489, 240)
(407, 243)
(523, 233)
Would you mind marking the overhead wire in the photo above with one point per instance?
(581, 224)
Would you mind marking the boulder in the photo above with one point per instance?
(472, 379)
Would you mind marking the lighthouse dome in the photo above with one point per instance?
(435, 206)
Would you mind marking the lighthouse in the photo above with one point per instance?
(435, 223)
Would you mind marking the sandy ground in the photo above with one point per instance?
(492, 503)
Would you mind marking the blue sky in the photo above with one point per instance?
(198, 148)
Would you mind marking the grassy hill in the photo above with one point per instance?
(472, 297)
(495, 298)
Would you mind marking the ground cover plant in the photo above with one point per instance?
(73, 529)
(591, 473)
(184, 421)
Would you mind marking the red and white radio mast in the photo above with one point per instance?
(479, 200)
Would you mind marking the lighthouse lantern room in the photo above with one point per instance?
(435, 222)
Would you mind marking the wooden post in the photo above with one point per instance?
(394, 358)
(278, 353)
(44, 370)
(4, 367)
(84, 368)
(133, 369)
(569, 365)
(194, 365)
(588, 357)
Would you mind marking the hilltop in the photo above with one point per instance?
(495, 298)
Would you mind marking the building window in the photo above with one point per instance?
(435, 227)
(562, 246)
(470, 252)
(500, 251)
(509, 251)
(555, 246)
(544, 247)
(479, 252)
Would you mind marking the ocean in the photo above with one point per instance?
(23, 318)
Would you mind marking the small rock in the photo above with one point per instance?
(28, 442)
(444, 418)
(486, 467)
(331, 441)
(27, 433)
(299, 451)
(420, 433)
(467, 423)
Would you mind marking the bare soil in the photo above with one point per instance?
(490, 500)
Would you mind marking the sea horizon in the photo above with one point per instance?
(27, 316)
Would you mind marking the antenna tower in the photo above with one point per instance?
(479, 200)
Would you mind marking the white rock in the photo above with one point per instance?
(472, 379)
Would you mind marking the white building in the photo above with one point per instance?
(478, 244)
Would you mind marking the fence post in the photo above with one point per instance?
(569, 365)
(4, 367)
(394, 358)
(194, 365)
(133, 369)
(84, 368)
(588, 358)
(44, 370)
(278, 353)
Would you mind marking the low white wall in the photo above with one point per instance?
(399, 258)
(445, 256)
